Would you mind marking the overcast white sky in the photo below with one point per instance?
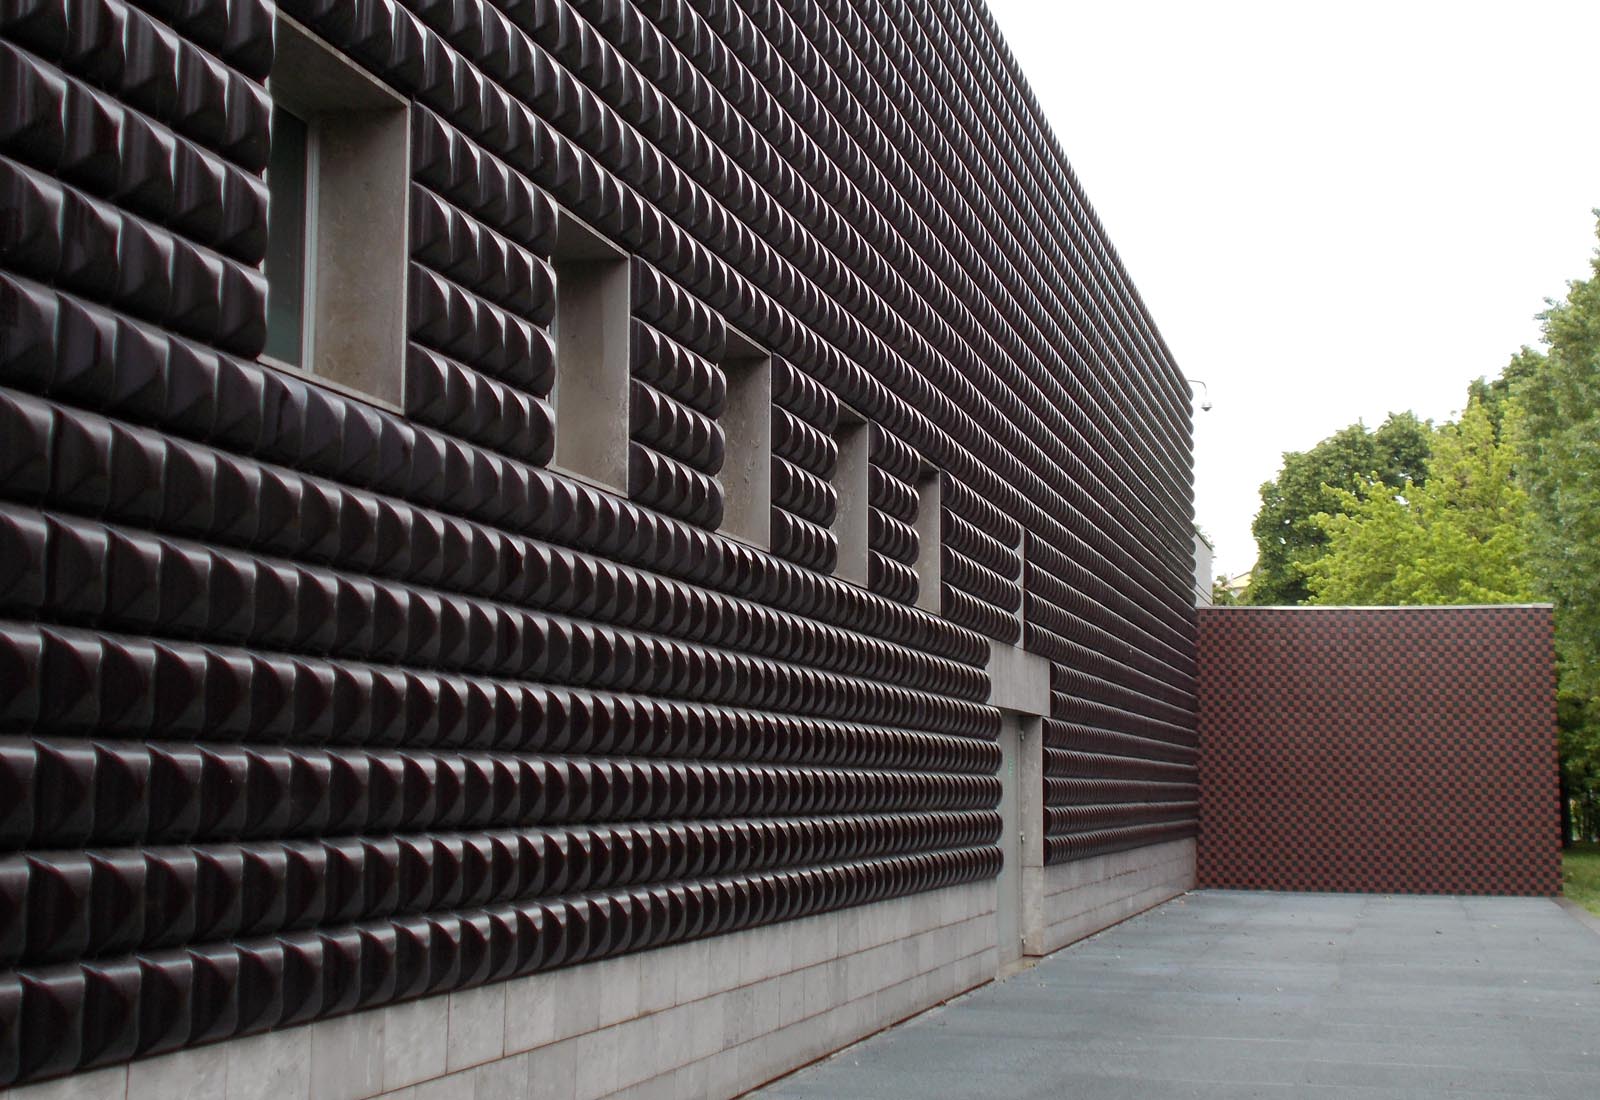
(1332, 211)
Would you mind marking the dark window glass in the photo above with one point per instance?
(286, 238)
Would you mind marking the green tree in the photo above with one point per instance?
(1221, 594)
(1559, 463)
(1459, 537)
(1495, 396)
(1288, 536)
(1561, 470)
(1578, 725)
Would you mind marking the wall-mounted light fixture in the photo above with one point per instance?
(1205, 400)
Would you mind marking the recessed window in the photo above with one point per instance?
(930, 533)
(286, 237)
(850, 524)
(338, 178)
(747, 442)
(592, 327)
(1022, 579)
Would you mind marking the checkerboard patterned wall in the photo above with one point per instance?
(1394, 750)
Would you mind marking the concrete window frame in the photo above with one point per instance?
(850, 527)
(929, 565)
(592, 331)
(346, 330)
(746, 422)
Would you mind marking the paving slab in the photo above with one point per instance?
(1275, 995)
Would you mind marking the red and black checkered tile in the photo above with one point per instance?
(1394, 750)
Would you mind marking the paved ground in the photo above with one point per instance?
(1224, 994)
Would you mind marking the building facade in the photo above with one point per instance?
(559, 548)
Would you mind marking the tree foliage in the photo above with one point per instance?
(1288, 536)
(1459, 537)
(1502, 506)
(1496, 395)
(1560, 445)
(1558, 392)
(1221, 594)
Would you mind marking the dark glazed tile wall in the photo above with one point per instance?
(1390, 750)
(310, 703)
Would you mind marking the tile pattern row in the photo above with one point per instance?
(697, 1020)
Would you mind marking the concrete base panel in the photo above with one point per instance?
(1078, 899)
(698, 1021)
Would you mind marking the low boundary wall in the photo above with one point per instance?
(1396, 750)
